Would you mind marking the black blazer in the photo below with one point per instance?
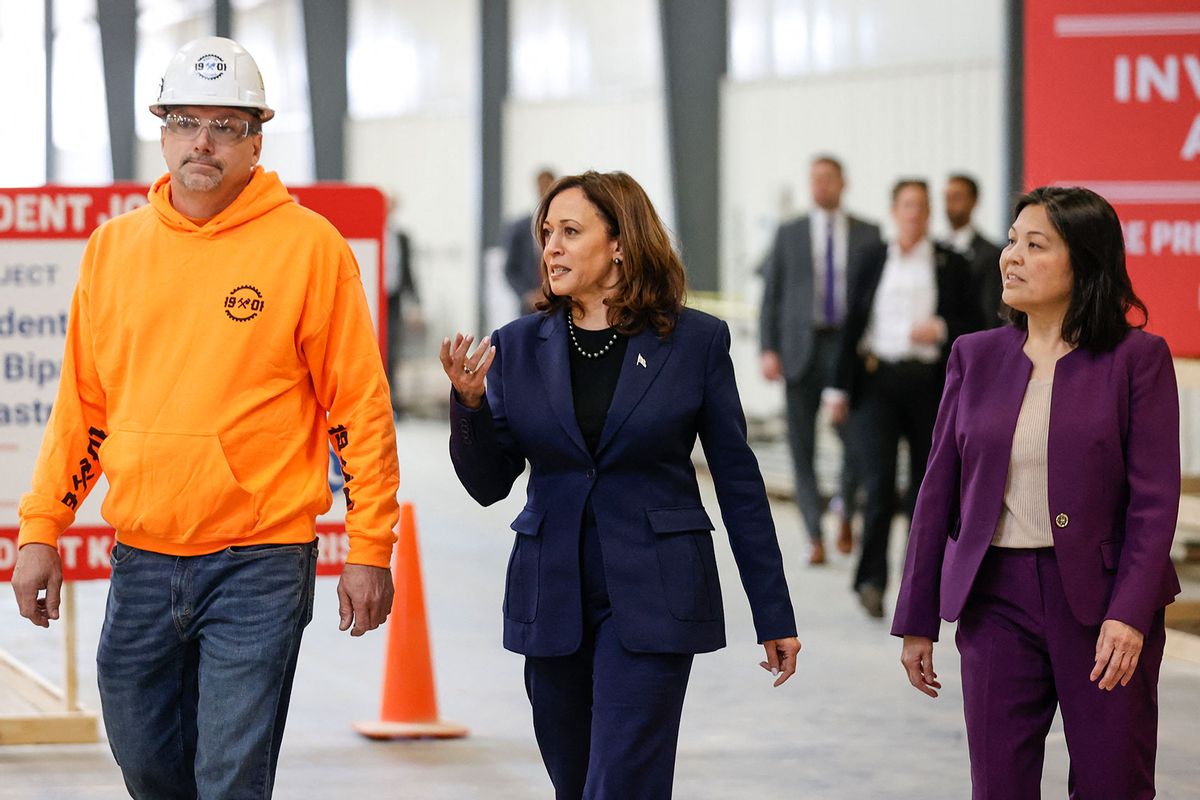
(957, 304)
(984, 258)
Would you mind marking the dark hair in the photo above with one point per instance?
(969, 181)
(904, 183)
(651, 284)
(826, 158)
(1101, 293)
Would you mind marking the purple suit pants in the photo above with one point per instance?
(1023, 655)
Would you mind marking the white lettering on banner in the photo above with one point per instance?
(1165, 81)
(1167, 237)
(1135, 237)
(332, 548)
(118, 205)
(45, 213)
(1175, 237)
(69, 547)
(8, 554)
(98, 548)
(1145, 77)
(1191, 145)
(1121, 80)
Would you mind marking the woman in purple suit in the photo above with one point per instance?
(1045, 519)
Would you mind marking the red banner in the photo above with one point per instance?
(85, 552)
(1112, 102)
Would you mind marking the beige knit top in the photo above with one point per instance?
(1025, 518)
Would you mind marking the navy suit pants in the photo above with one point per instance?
(606, 718)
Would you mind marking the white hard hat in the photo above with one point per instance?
(212, 71)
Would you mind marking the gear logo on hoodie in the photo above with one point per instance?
(244, 303)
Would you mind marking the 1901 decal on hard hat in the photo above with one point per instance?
(210, 66)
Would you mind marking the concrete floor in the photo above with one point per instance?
(848, 726)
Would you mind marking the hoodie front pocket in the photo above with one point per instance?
(173, 486)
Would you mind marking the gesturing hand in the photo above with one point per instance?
(466, 371)
(917, 658)
(1117, 652)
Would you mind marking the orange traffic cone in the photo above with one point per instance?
(409, 709)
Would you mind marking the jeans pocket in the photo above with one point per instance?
(260, 550)
(121, 554)
(311, 582)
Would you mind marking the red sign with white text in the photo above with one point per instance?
(85, 552)
(1112, 102)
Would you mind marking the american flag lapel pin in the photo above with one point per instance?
(641, 362)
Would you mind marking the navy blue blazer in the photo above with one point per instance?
(655, 535)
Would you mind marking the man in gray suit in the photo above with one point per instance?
(804, 302)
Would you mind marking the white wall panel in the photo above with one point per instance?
(604, 133)
(425, 161)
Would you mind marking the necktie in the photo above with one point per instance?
(830, 278)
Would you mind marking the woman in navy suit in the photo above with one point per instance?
(1045, 520)
(612, 583)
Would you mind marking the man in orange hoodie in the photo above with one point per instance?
(219, 340)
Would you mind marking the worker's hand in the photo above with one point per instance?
(364, 598)
(38, 568)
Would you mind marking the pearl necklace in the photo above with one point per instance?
(579, 349)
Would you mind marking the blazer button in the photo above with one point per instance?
(1061, 520)
(591, 473)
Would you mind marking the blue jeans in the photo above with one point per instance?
(195, 666)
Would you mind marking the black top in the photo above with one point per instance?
(593, 380)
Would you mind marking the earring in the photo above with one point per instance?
(618, 261)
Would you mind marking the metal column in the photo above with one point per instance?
(118, 45)
(694, 37)
(326, 40)
(493, 85)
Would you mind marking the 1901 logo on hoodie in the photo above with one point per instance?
(244, 303)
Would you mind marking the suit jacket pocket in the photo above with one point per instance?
(521, 586)
(956, 530)
(686, 562)
(1110, 553)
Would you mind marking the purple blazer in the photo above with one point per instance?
(1113, 470)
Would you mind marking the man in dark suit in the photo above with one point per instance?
(983, 256)
(911, 300)
(805, 298)
(522, 256)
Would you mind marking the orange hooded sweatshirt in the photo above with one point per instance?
(206, 369)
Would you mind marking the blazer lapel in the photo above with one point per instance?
(644, 357)
(555, 368)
